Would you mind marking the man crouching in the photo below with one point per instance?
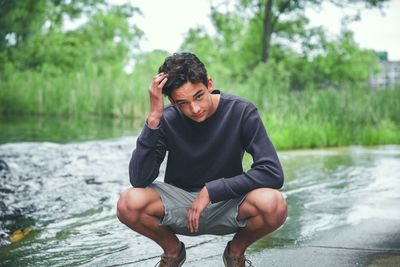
(205, 190)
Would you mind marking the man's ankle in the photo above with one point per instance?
(233, 251)
(175, 251)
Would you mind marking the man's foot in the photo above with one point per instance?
(234, 261)
(173, 261)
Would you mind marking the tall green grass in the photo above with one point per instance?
(294, 119)
(328, 118)
(90, 92)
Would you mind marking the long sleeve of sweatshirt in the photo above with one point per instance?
(266, 170)
(147, 157)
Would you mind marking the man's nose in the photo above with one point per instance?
(195, 108)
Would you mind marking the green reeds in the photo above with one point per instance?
(331, 118)
(90, 92)
(294, 119)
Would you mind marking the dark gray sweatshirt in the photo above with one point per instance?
(209, 153)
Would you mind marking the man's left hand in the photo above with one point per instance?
(198, 206)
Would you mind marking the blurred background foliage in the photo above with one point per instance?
(311, 90)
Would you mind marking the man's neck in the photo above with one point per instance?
(214, 102)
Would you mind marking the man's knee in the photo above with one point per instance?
(270, 204)
(131, 203)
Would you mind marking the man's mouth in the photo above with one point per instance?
(198, 115)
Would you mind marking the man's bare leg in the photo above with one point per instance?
(265, 210)
(141, 209)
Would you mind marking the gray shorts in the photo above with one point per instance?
(217, 219)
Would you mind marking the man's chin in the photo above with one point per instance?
(199, 119)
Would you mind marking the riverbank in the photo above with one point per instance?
(296, 120)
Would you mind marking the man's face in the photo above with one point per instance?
(194, 100)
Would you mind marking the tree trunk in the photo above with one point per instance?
(267, 30)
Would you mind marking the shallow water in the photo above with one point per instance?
(61, 130)
(64, 195)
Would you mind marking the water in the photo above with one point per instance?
(61, 130)
(64, 195)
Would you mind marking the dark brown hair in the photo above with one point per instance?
(182, 68)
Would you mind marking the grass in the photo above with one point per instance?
(328, 118)
(72, 94)
(296, 119)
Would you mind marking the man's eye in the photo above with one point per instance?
(199, 97)
(181, 104)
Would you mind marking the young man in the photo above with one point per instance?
(205, 189)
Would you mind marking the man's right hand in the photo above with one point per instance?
(156, 100)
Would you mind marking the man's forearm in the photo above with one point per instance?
(146, 158)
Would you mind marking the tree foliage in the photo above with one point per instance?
(32, 34)
(270, 12)
(254, 36)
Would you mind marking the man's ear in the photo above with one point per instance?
(210, 84)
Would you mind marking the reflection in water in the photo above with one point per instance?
(69, 129)
(65, 194)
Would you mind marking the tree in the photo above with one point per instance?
(272, 12)
(254, 32)
(32, 33)
(21, 19)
